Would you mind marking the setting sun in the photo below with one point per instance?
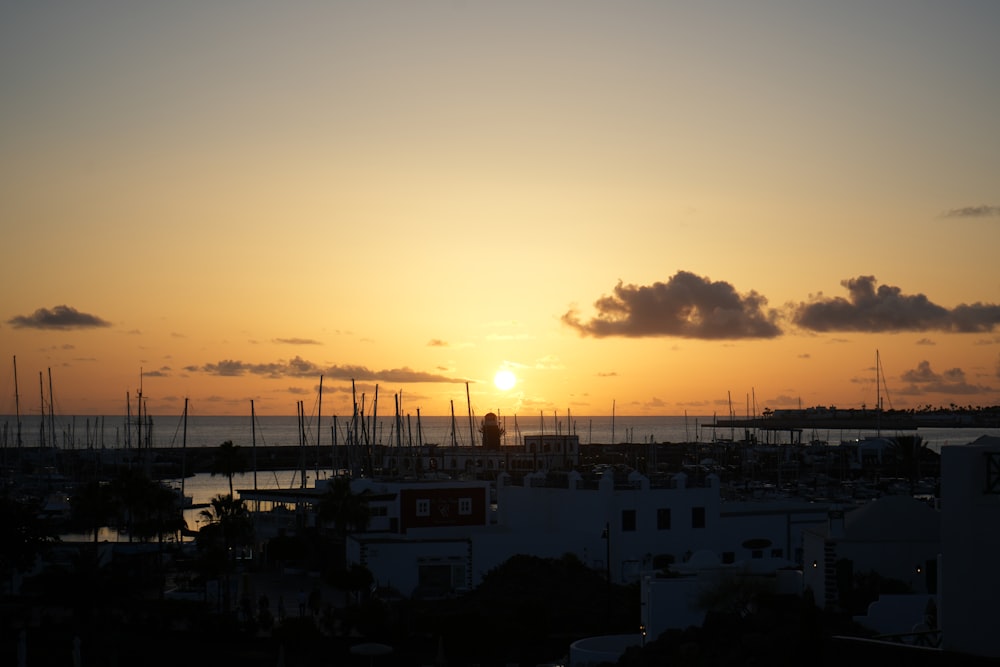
(504, 379)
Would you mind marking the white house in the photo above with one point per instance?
(898, 537)
(620, 524)
(968, 611)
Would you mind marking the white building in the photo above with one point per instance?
(969, 591)
(623, 525)
(897, 537)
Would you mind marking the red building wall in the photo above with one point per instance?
(436, 507)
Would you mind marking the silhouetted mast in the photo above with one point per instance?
(878, 397)
(52, 416)
(17, 404)
(184, 442)
(319, 424)
(41, 398)
(253, 442)
(468, 401)
(454, 442)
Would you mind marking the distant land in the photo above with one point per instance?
(870, 418)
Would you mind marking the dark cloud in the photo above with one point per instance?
(299, 367)
(686, 306)
(60, 317)
(924, 380)
(297, 341)
(437, 342)
(973, 212)
(887, 309)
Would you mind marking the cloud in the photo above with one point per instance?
(296, 341)
(686, 306)
(299, 367)
(974, 212)
(60, 317)
(924, 380)
(437, 342)
(887, 309)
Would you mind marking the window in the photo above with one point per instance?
(663, 518)
(465, 506)
(777, 553)
(423, 507)
(697, 517)
(628, 521)
(757, 553)
(728, 557)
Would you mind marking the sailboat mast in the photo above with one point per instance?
(17, 404)
(41, 398)
(319, 424)
(253, 442)
(184, 442)
(612, 422)
(878, 397)
(454, 442)
(52, 416)
(468, 401)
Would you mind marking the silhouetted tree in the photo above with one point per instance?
(228, 461)
(146, 508)
(25, 535)
(344, 509)
(93, 506)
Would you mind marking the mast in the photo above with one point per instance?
(468, 401)
(302, 443)
(319, 424)
(612, 422)
(52, 416)
(138, 419)
(253, 442)
(454, 442)
(41, 397)
(17, 404)
(184, 442)
(352, 443)
(374, 441)
(333, 447)
(878, 397)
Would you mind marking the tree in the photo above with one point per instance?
(229, 524)
(229, 527)
(228, 461)
(93, 506)
(146, 508)
(25, 534)
(344, 509)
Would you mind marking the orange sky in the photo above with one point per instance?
(638, 204)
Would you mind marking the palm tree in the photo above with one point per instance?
(143, 507)
(229, 461)
(344, 509)
(228, 519)
(229, 526)
(93, 506)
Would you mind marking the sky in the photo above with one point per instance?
(652, 208)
